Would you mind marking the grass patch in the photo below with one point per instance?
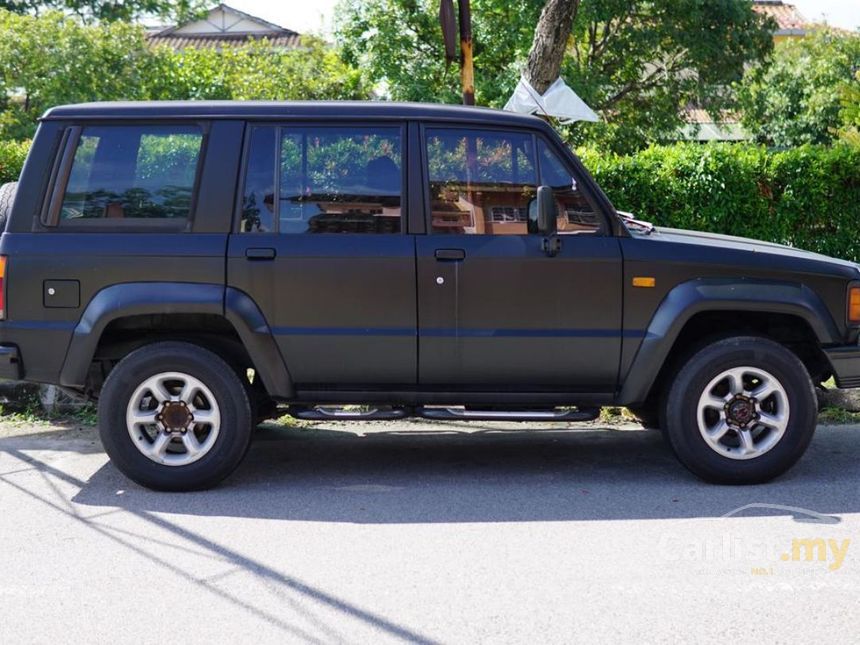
(32, 413)
(615, 414)
(838, 416)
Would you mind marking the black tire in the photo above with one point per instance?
(7, 198)
(236, 417)
(681, 424)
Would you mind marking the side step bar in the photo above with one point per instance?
(335, 413)
(440, 413)
(464, 414)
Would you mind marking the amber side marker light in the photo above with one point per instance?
(644, 281)
(854, 305)
(2, 287)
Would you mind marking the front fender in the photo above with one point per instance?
(697, 296)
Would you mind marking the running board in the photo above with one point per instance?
(335, 413)
(463, 414)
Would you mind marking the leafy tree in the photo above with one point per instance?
(850, 114)
(399, 44)
(109, 10)
(795, 99)
(640, 63)
(313, 71)
(637, 62)
(54, 59)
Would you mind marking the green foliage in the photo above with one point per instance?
(808, 197)
(12, 156)
(399, 42)
(637, 62)
(795, 98)
(55, 59)
(314, 71)
(838, 416)
(100, 10)
(850, 114)
(640, 63)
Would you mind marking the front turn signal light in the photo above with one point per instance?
(854, 305)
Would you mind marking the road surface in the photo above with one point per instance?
(420, 532)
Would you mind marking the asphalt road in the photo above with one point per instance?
(448, 533)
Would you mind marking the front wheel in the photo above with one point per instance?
(740, 411)
(174, 416)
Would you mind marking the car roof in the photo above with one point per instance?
(287, 109)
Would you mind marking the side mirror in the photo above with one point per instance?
(543, 213)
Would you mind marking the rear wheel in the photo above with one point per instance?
(174, 416)
(740, 411)
(7, 197)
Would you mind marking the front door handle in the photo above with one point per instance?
(260, 254)
(450, 255)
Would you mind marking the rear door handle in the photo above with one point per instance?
(450, 255)
(260, 254)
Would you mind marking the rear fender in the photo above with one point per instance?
(134, 299)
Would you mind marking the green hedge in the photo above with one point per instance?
(12, 155)
(808, 197)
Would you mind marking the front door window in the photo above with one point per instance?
(481, 181)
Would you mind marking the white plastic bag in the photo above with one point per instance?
(558, 101)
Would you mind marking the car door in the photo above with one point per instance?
(321, 247)
(495, 310)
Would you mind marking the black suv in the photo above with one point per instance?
(194, 265)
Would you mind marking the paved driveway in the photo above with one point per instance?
(450, 533)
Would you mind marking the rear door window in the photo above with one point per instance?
(133, 172)
(321, 179)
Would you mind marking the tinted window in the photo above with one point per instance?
(576, 214)
(258, 206)
(125, 172)
(329, 180)
(481, 182)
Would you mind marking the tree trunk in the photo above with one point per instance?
(550, 43)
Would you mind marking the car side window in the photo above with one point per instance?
(575, 213)
(132, 172)
(325, 180)
(481, 181)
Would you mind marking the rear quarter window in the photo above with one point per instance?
(132, 172)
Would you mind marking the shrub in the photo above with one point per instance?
(808, 197)
(12, 155)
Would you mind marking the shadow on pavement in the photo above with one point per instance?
(441, 475)
(334, 475)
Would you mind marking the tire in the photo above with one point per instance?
(209, 433)
(7, 198)
(762, 436)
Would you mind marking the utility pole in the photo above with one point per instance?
(449, 29)
(467, 69)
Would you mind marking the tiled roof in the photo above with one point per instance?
(286, 39)
(218, 29)
(787, 17)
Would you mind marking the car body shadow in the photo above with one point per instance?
(448, 475)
